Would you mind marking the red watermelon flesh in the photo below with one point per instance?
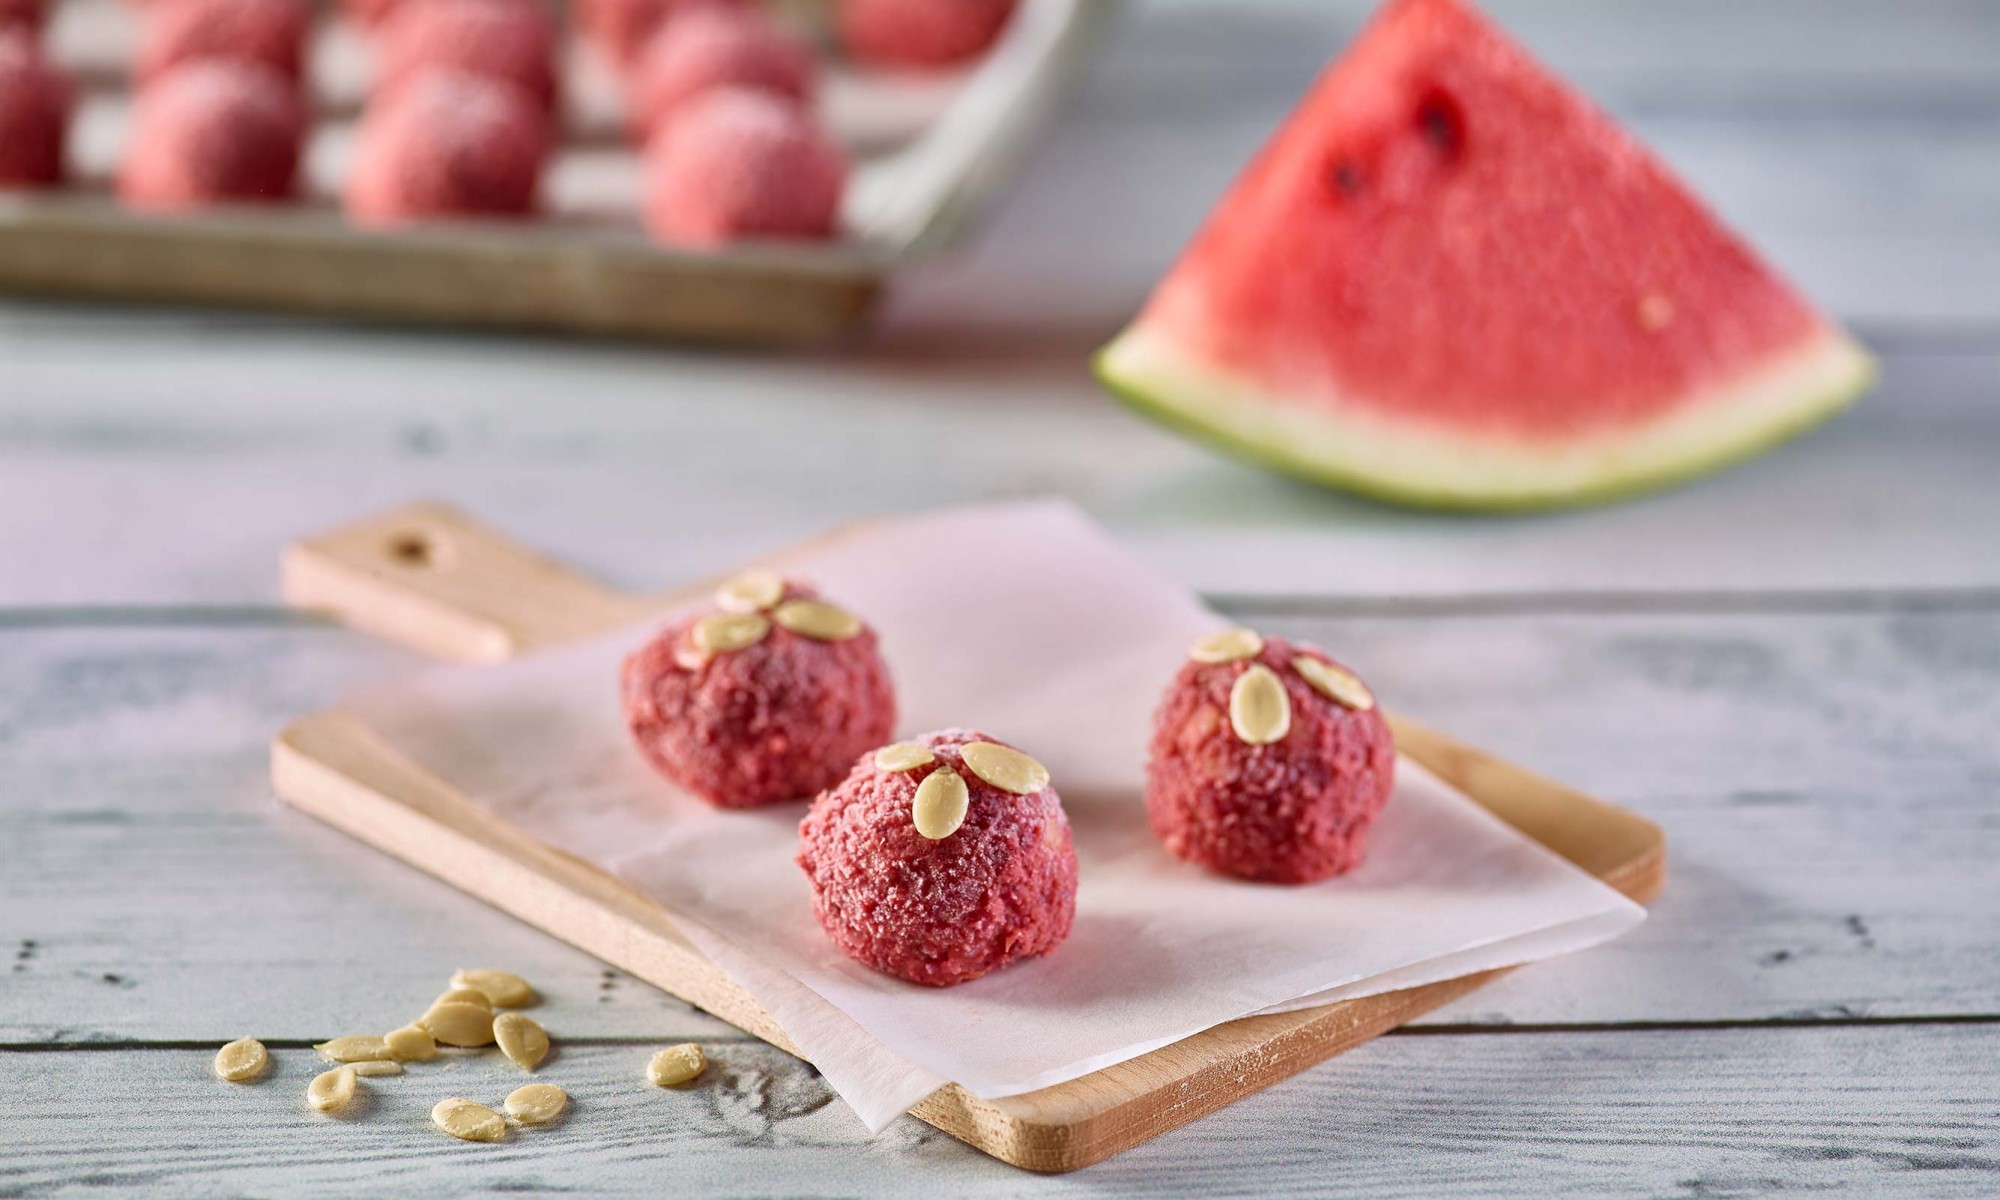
(1451, 279)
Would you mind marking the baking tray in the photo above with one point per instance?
(930, 153)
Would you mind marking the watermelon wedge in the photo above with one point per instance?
(1451, 281)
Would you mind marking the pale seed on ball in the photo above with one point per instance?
(1336, 684)
(719, 633)
(817, 620)
(1260, 710)
(1005, 767)
(903, 756)
(1227, 646)
(751, 591)
(940, 804)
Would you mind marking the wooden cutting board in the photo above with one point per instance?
(435, 580)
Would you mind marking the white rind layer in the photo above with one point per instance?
(1362, 447)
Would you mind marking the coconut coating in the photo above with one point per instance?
(1001, 888)
(920, 34)
(514, 40)
(447, 144)
(737, 163)
(708, 48)
(271, 32)
(212, 132)
(777, 720)
(34, 115)
(1294, 811)
(621, 28)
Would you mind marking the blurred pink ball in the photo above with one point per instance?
(513, 40)
(447, 144)
(368, 13)
(621, 27)
(28, 15)
(742, 164)
(271, 32)
(700, 51)
(35, 101)
(212, 132)
(920, 34)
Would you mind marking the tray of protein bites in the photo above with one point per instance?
(749, 170)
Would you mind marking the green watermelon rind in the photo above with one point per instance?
(1490, 474)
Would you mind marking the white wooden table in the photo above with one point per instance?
(1794, 668)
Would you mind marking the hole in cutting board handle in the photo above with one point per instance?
(417, 549)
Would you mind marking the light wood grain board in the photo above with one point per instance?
(432, 578)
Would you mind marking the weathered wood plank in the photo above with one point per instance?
(1891, 1111)
(1824, 779)
(181, 469)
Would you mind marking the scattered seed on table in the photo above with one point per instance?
(503, 988)
(521, 1039)
(241, 1060)
(676, 1064)
(468, 1121)
(332, 1091)
(411, 1043)
(354, 1048)
(536, 1103)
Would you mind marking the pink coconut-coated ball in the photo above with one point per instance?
(447, 144)
(920, 34)
(998, 889)
(709, 48)
(514, 40)
(1291, 811)
(35, 101)
(776, 720)
(740, 164)
(271, 32)
(25, 15)
(368, 14)
(212, 132)
(620, 28)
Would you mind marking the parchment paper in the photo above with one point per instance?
(1026, 621)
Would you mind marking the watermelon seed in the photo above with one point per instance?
(1346, 178)
(1442, 127)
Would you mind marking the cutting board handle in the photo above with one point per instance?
(429, 577)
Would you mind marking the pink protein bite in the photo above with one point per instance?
(447, 144)
(212, 132)
(35, 102)
(1289, 810)
(740, 164)
(271, 32)
(708, 48)
(513, 40)
(621, 27)
(24, 15)
(762, 705)
(920, 34)
(998, 887)
(368, 14)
